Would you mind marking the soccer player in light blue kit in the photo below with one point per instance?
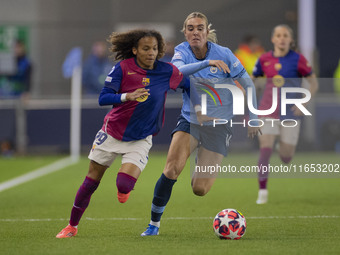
(201, 58)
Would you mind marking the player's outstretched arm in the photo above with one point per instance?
(188, 69)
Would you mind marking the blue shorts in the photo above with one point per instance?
(214, 139)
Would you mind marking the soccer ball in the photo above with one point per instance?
(229, 224)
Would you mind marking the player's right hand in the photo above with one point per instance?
(254, 131)
(220, 65)
(138, 93)
(203, 118)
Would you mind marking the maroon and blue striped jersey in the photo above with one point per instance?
(281, 72)
(135, 120)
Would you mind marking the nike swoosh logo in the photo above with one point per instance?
(130, 73)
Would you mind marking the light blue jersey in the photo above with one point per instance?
(220, 103)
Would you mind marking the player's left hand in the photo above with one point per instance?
(138, 93)
(254, 131)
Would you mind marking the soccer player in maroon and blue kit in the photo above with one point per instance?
(283, 67)
(137, 88)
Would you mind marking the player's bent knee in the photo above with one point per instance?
(199, 190)
(125, 183)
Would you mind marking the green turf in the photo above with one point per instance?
(16, 166)
(104, 231)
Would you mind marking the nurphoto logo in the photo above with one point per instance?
(238, 104)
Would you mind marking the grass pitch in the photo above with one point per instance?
(302, 216)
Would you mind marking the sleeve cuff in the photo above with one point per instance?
(123, 97)
(198, 108)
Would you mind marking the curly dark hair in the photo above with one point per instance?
(122, 43)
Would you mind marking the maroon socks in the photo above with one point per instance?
(82, 200)
(125, 183)
(263, 163)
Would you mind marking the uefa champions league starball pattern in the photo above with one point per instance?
(229, 224)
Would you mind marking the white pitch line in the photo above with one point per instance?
(58, 165)
(179, 218)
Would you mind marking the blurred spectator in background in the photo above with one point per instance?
(18, 83)
(96, 68)
(249, 51)
(169, 51)
(6, 149)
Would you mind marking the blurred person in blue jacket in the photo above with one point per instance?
(17, 83)
(96, 68)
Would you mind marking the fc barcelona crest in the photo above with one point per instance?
(146, 81)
